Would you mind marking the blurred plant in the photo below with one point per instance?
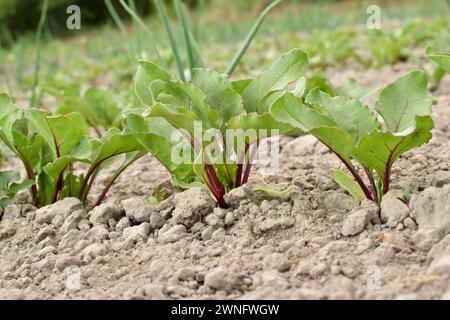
(9, 186)
(50, 145)
(193, 56)
(441, 58)
(101, 109)
(37, 61)
(327, 48)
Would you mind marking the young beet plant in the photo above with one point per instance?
(357, 135)
(197, 119)
(49, 146)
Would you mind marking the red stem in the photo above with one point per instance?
(357, 177)
(372, 183)
(33, 188)
(387, 178)
(240, 166)
(250, 162)
(217, 188)
(31, 176)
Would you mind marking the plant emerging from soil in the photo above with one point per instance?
(50, 145)
(368, 142)
(207, 109)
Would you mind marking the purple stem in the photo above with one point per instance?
(250, 162)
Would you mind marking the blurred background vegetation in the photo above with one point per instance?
(103, 55)
(17, 17)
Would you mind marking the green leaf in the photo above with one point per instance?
(185, 97)
(220, 95)
(178, 118)
(146, 74)
(46, 187)
(378, 150)
(104, 105)
(9, 186)
(441, 58)
(115, 143)
(337, 140)
(55, 168)
(10, 114)
(240, 85)
(262, 126)
(400, 102)
(271, 191)
(347, 183)
(61, 132)
(72, 185)
(353, 90)
(291, 110)
(158, 137)
(286, 69)
(349, 115)
(319, 81)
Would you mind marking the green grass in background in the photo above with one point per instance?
(100, 56)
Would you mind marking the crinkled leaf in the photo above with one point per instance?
(146, 74)
(349, 115)
(61, 132)
(220, 95)
(286, 69)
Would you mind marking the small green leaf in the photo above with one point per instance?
(271, 191)
(319, 81)
(240, 85)
(146, 74)
(179, 118)
(441, 58)
(347, 182)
